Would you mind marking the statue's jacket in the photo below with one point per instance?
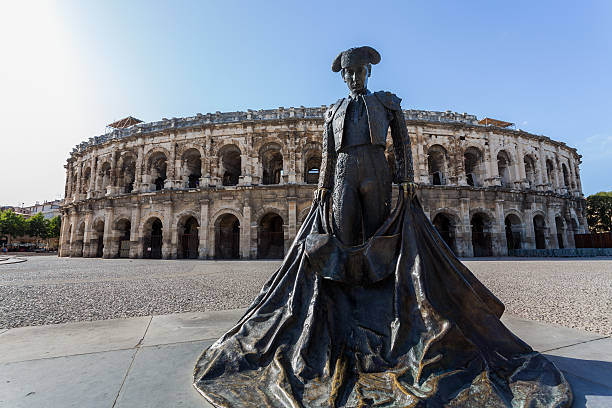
(384, 111)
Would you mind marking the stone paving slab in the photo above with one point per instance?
(89, 380)
(181, 327)
(156, 366)
(161, 377)
(58, 340)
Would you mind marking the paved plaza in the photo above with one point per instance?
(575, 293)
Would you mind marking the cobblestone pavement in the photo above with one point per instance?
(46, 290)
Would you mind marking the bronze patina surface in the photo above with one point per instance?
(370, 308)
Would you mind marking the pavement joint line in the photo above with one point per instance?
(127, 372)
(575, 344)
(136, 350)
(587, 379)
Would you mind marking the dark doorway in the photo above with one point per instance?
(481, 235)
(153, 241)
(446, 229)
(99, 241)
(227, 237)
(125, 228)
(539, 227)
(270, 237)
(189, 239)
(513, 232)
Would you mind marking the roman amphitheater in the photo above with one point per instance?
(239, 185)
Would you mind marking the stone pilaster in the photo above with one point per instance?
(203, 231)
(108, 251)
(135, 232)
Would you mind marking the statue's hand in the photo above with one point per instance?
(321, 194)
(409, 189)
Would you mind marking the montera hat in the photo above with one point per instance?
(355, 56)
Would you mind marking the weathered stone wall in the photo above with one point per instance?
(484, 187)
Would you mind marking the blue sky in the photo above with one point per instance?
(72, 67)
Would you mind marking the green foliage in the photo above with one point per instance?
(599, 212)
(53, 227)
(36, 226)
(12, 224)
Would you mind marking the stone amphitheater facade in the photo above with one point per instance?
(239, 185)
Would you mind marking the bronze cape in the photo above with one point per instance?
(396, 322)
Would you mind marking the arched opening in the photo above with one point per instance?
(539, 228)
(98, 240)
(124, 229)
(503, 167)
(189, 240)
(481, 235)
(550, 168)
(312, 168)
(192, 168)
(272, 162)
(78, 244)
(270, 237)
(104, 177)
(230, 165)
(560, 225)
(436, 164)
(227, 237)
(446, 229)
(127, 174)
(391, 163)
(473, 164)
(530, 170)
(157, 167)
(85, 181)
(513, 232)
(153, 238)
(566, 181)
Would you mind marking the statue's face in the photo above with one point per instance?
(356, 77)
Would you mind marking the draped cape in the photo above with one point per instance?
(396, 322)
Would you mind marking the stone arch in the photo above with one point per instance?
(550, 172)
(97, 240)
(104, 176)
(270, 209)
(157, 164)
(152, 232)
(312, 156)
(539, 228)
(188, 226)
(182, 148)
(191, 167)
(85, 179)
(481, 224)
(272, 161)
(446, 225)
(122, 228)
(270, 236)
(230, 164)
(126, 171)
(437, 164)
(566, 176)
(531, 172)
(514, 230)
(227, 235)
(473, 164)
(504, 167)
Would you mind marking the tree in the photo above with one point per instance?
(53, 227)
(599, 212)
(12, 224)
(36, 226)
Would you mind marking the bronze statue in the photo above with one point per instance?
(370, 307)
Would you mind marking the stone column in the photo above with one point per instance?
(529, 228)
(69, 191)
(520, 166)
(492, 177)
(420, 160)
(552, 230)
(74, 219)
(203, 231)
(91, 193)
(113, 187)
(87, 234)
(545, 182)
(108, 251)
(135, 233)
(498, 236)
(578, 181)
(245, 230)
(292, 227)
(291, 166)
(64, 249)
(79, 177)
(463, 239)
(169, 234)
(140, 166)
(171, 170)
